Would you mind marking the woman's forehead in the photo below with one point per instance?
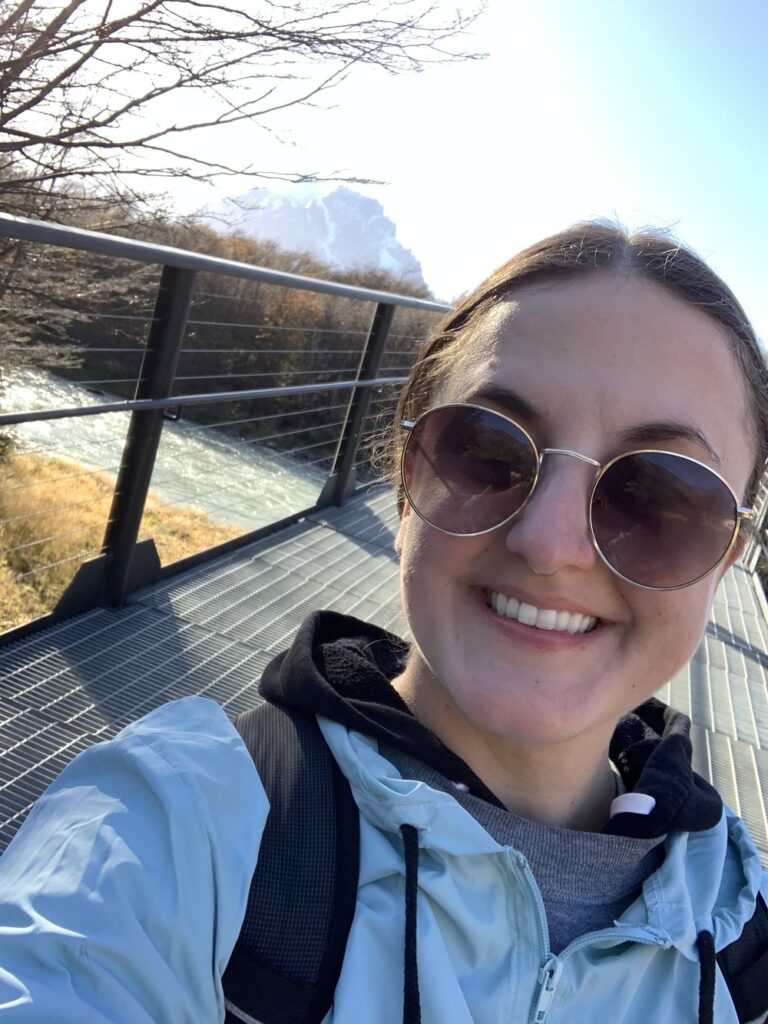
(618, 329)
(607, 351)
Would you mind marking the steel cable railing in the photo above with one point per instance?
(78, 557)
(274, 328)
(264, 351)
(234, 443)
(263, 419)
(58, 479)
(223, 465)
(62, 310)
(65, 348)
(264, 373)
(44, 540)
(47, 511)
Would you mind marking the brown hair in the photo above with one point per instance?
(590, 248)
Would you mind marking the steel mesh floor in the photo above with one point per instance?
(213, 629)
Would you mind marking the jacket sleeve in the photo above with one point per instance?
(122, 895)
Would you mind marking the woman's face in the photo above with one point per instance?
(594, 360)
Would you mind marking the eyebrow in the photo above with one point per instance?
(509, 400)
(643, 434)
(668, 430)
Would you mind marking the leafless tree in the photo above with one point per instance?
(91, 90)
(100, 97)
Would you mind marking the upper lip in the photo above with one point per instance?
(550, 602)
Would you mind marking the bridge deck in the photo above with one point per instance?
(212, 630)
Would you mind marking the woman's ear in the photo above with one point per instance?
(736, 551)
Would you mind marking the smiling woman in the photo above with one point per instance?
(517, 697)
(577, 450)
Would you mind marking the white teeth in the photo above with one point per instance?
(541, 618)
(527, 614)
(562, 620)
(546, 619)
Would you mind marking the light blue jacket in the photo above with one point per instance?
(122, 896)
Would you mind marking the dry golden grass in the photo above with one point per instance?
(52, 518)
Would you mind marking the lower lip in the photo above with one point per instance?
(541, 639)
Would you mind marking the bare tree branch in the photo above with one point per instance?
(83, 84)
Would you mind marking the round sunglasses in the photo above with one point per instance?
(657, 519)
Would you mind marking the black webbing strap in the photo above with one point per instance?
(287, 961)
(744, 965)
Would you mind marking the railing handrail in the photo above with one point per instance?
(201, 398)
(45, 232)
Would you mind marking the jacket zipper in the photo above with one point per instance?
(549, 976)
(549, 973)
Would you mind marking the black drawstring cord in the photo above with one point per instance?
(706, 946)
(411, 1001)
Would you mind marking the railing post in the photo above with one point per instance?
(341, 481)
(143, 438)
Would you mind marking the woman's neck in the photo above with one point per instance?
(569, 784)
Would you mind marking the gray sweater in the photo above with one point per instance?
(587, 879)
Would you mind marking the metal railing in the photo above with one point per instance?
(124, 562)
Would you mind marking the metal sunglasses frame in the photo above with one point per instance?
(741, 513)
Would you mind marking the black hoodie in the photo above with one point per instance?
(341, 668)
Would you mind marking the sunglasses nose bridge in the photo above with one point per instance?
(574, 455)
(598, 469)
(588, 460)
(548, 533)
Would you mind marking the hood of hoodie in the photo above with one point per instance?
(341, 669)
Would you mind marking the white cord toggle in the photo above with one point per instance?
(632, 803)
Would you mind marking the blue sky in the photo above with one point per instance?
(652, 113)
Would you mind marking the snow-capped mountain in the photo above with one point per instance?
(339, 226)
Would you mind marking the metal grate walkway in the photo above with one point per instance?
(212, 630)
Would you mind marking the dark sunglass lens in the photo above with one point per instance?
(662, 520)
(466, 470)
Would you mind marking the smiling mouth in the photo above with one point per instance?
(541, 618)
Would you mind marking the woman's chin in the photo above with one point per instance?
(529, 709)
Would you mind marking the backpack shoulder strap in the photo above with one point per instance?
(744, 965)
(287, 960)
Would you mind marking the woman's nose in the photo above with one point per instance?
(552, 531)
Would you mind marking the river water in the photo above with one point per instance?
(233, 482)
